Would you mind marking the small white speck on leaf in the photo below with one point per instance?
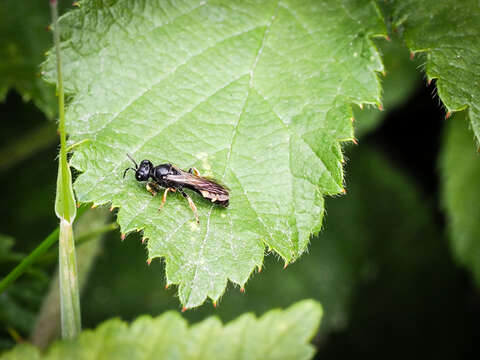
(193, 226)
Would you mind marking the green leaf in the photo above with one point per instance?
(65, 203)
(460, 165)
(256, 95)
(350, 252)
(23, 42)
(448, 32)
(276, 335)
(401, 78)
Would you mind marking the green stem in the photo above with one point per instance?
(61, 113)
(65, 209)
(29, 260)
(34, 256)
(69, 292)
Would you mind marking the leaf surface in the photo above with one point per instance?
(278, 334)
(448, 32)
(460, 165)
(254, 94)
(366, 240)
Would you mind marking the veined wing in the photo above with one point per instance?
(198, 183)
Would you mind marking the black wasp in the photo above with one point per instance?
(171, 178)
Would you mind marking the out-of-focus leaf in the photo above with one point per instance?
(256, 94)
(448, 32)
(279, 334)
(19, 303)
(460, 166)
(24, 39)
(22, 351)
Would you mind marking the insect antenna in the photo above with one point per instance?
(131, 158)
(125, 172)
(129, 168)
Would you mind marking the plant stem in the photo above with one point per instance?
(65, 210)
(29, 260)
(47, 323)
(61, 112)
(69, 293)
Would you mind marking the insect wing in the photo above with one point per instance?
(208, 188)
(197, 183)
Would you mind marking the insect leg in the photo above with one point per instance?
(194, 171)
(151, 188)
(164, 197)
(191, 203)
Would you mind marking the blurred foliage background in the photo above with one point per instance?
(381, 267)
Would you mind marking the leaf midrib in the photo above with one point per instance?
(233, 138)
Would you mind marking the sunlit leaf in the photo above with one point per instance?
(254, 94)
(361, 231)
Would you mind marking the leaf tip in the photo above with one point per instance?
(448, 114)
(412, 55)
(112, 208)
(286, 264)
(355, 141)
(144, 239)
(380, 107)
(122, 236)
(167, 286)
(149, 261)
(344, 191)
(184, 309)
(242, 289)
(214, 304)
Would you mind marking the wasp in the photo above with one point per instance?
(173, 179)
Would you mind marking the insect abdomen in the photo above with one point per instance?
(218, 199)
